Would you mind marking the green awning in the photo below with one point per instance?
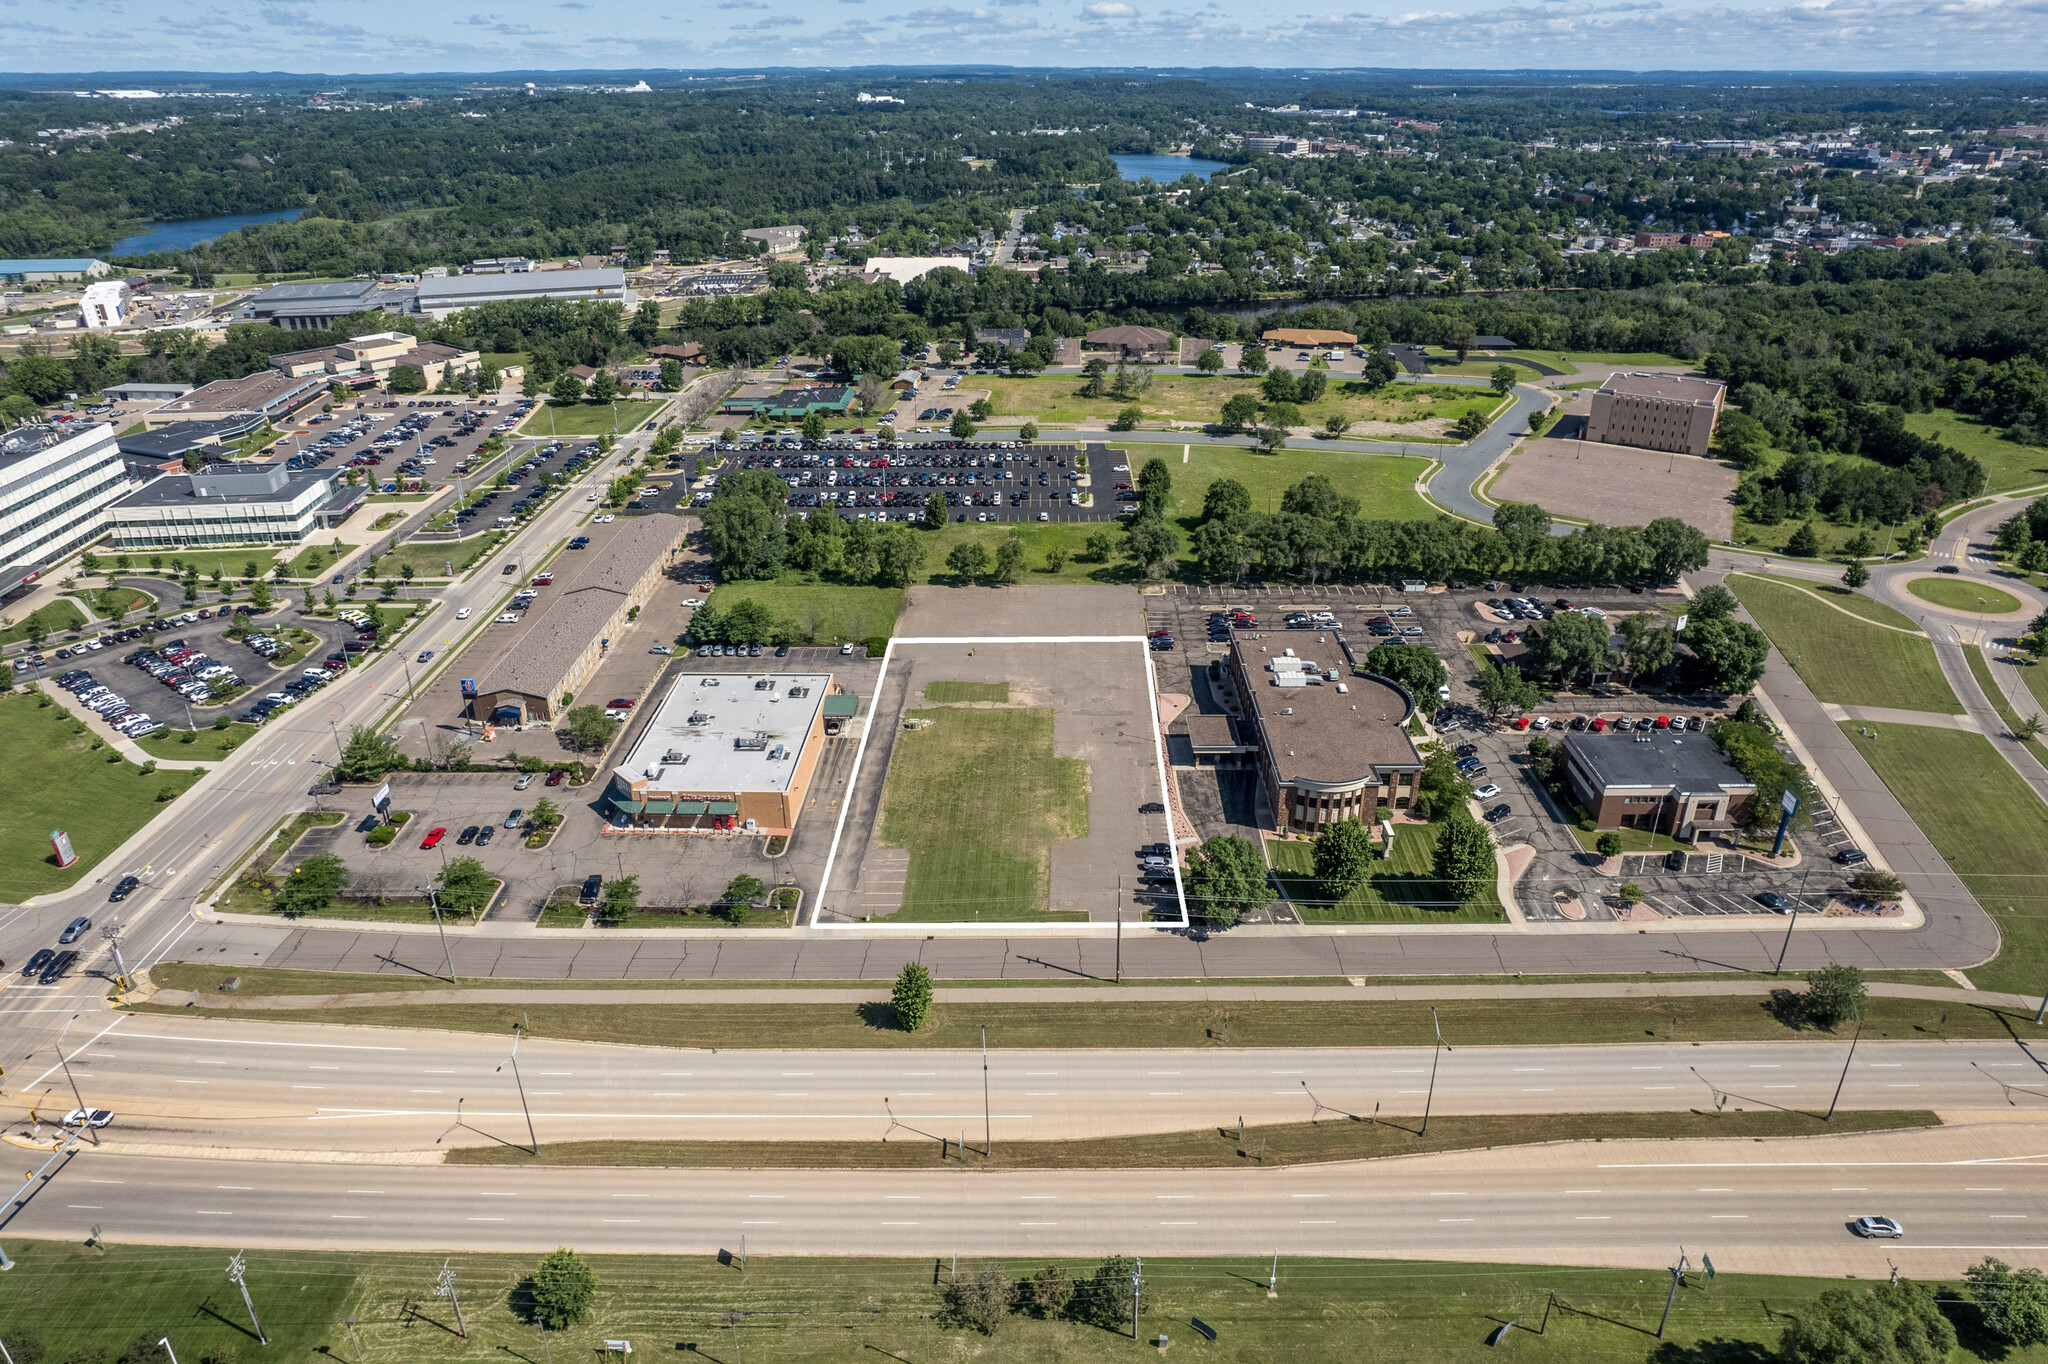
(661, 807)
(628, 807)
(843, 707)
(689, 807)
(722, 807)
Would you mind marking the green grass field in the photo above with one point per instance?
(1200, 400)
(2036, 678)
(1996, 840)
(950, 693)
(1980, 669)
(978, 798)
(1401, 889)
(1383, 484)
(820, 612)
(76, 789)
(1867, 607)
(208, 744)
(2006, 464)
(1960, 594)
(233, 563)
(1842, 659)
(60, 617)
(591, 419)
(430, 560)
(827, 1311)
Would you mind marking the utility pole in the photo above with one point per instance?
(988, 1136)
(1441, 1047)
(513, 1061)
(1273, 1277)
(447, 958)
(85, 1125)
(1677, 1277)
(1120, 939)
(1137, 1278)
(112, 934)
(166, 1343)
(1845, 1071)
(444, 1287)
(235, 1272)
(1787, 944)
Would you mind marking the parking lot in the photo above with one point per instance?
(980, 480)
(402, 442)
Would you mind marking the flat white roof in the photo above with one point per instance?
(720, 732)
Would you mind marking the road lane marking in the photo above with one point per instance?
(1593, 1218)
(1730, 1216)
(899, 1224)
(1457, 1219)
(347, 1216)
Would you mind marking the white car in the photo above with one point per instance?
(1878, 1227)
(591, 498)
(509, 618)
(693, 601)
(606, 519)
(462, 614)
(94, 1117)
(1486, 792)
(1541, 722)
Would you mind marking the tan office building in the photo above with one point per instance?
(1656, 412)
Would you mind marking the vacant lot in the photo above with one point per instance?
(1996, 840)
(1619, 486)
(818, 613)
(1400, 890)
(1842, 659)
(2007, 464)
(978, 798)
(591, 419)
(1964, 594)
(950, 693)
(1200, 401)
(795, 1310)
(1383, 484)
(76, 788)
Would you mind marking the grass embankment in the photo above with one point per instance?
(1980, 668)
(207, 745)
(233, 563)
(1402, 889)
(825, 1310)
(1333, 1138)
(1843, 659)
(978, 798)
(1964, 594)
(1995, 837)
(820, 613)
(591, 419)
(1177, 1023)
(1200, 401)
(1835, 594)
(2007, 464)
(60, 617)
(71, 781)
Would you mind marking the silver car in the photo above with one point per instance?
(1877, 1227)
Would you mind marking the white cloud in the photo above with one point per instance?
(1109, 9)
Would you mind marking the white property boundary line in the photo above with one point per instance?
(861, 748)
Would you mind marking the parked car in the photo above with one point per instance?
(434, 836)
(1850, 857)
(512, 820)
(1774, 902)
(1486, 792)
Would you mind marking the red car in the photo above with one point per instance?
(1521, 722)
(1663, 722)
(434, 835)
(555, 777)
(1599, 725)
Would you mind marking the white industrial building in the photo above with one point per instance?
(56, 484)
(441, 298)
(104, 304)
(230, 504)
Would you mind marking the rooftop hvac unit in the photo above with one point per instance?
(676, 756)
(777, 753)
(699, 717)
(765, 684)
(750, 745)
(794, 692)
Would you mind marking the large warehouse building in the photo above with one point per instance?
(440, 298)
(1328, 747)
(1656, 412)
(727, 750)
(560, 647)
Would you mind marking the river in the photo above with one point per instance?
(195, 231)
(1165, 169)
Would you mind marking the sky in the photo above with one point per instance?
(394, 36)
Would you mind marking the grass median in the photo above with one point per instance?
(822, 1310)
(1843, 659)
(1336, 1136)
(1093, 1023)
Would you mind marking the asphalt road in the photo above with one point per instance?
(1777, 1206)
(192, 1082)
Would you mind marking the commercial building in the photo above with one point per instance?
(363, 360)
(1668, 783)
(266, 394)
(776, 239)
(440, 298)
(1327, 748)
(52, 271)
(1009, 338)
(1656, 412)
(145, 391)
(1307, 336)
(562, 645)
(726, 750)
(788, 404)
(1131, 343)
(149, 453)
(316, 307)
(232, 504)
(104, 304)
(55, 486)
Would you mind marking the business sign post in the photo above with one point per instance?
(1789, 806)
(61, 841)
(382, 800)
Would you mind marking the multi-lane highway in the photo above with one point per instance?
(199, 1083)
(1772, 1206)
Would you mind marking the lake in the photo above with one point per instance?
(1165, 169)
(195, 231)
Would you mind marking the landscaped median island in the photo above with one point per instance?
(379, 1307)
(1845, 660)
(1339, 1136)
(1964, 594)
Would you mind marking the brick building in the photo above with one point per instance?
(1667, 783)
(1327, 749)
(1656, 412)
